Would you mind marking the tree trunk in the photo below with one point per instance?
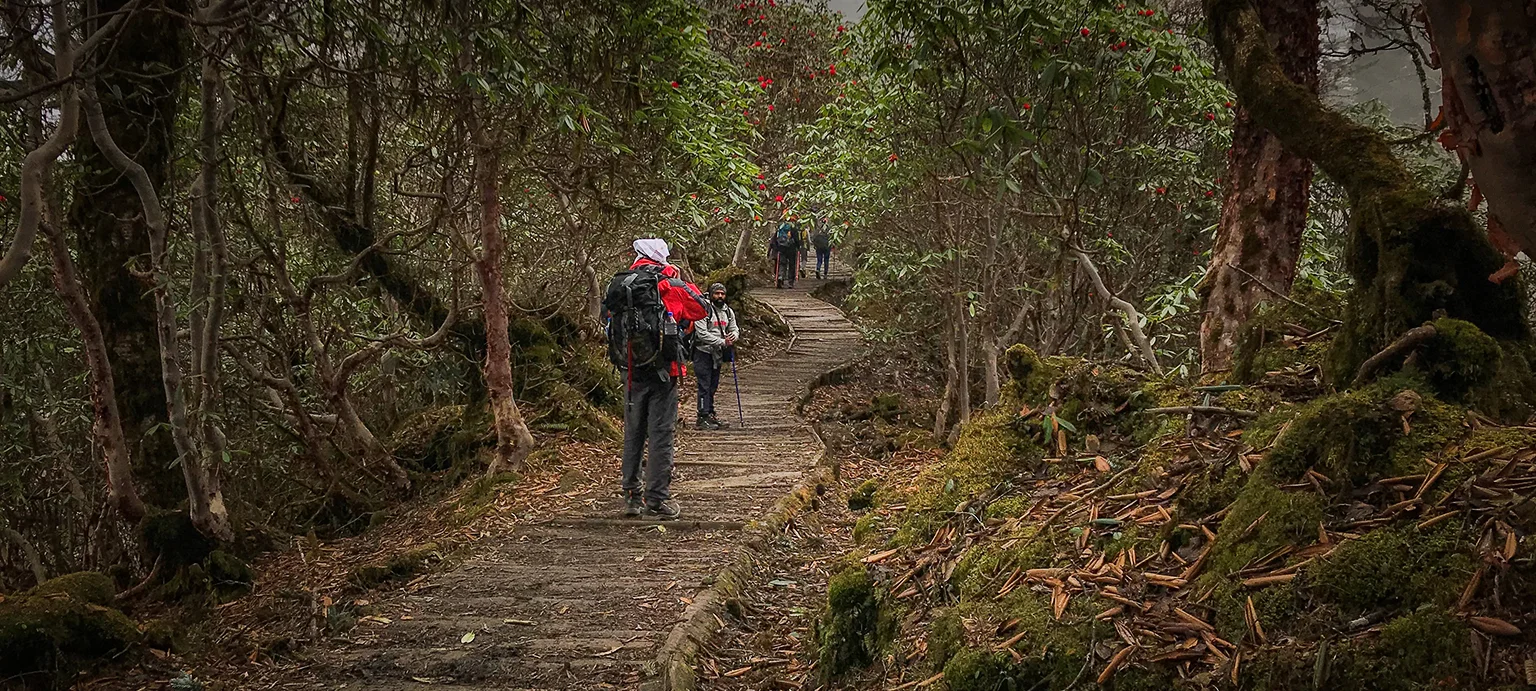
(951, 382)
(1410, 254)
(743, 243)
(107, 422)
(140, 99)
(1258, 238)
(1487, 53)
(513, 440)
(205, 499)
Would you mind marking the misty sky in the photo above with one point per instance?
(852, 9)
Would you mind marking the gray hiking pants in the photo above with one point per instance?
(650, 417)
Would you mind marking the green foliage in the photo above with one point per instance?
(1358, 434)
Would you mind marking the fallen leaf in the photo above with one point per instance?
(1493, 626)
(468, 637)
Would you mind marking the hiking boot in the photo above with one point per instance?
(664, 511)
(705, 423)
(716, 422)
(633, 507)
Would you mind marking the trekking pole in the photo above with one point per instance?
(741, 419)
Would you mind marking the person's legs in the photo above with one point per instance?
(662, 430)
(704, 373)
(714, 387)
(636, 427)
(786, 272)
(823, 263)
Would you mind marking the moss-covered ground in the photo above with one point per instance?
(1363, 538)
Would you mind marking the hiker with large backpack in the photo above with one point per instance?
(642, 309)
(821, 240)
(784, 250)
(714, 343)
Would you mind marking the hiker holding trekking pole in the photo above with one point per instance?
(714, 337)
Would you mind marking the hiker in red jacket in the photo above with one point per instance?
(650, 399)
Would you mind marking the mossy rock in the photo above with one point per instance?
(981, 565)
(90, 587)
(1356, 435)
(569, 410)
(588, 371)
(1289, 518)
(863, 496)
(171, 536)
(165, 634)
(855, 625)
(981, 670)
(887, 406)
(1459, 358)
(1210, 489)
(1030, 375)
(733, 278)
(994, 446)
(1427, 649)
(60, 627)
(219, 578)
(1393, 568)
(399, 567)
(866, 530)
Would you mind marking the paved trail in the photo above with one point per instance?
(584, 600)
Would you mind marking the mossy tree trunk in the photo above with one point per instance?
(140, 100)
(1487, 51)
(1258, 237)
(1410, 254)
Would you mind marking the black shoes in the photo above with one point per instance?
(706, 423)
(633, 507)
(665, 511)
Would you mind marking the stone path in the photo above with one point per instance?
(584, 600)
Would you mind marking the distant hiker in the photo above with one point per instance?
(804, 242)
(714, 343)
(642, 308)
(784, 249)
(821, 239)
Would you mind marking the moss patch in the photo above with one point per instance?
(1359, 434)
(946, 638)
(62, 626)
(863, 496)
(1395, 567)
(401, 566)
(854, 627)
(1289, 518)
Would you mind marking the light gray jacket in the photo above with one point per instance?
(710, 332)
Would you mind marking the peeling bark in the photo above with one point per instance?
(1487, 52)
(1265, 207)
